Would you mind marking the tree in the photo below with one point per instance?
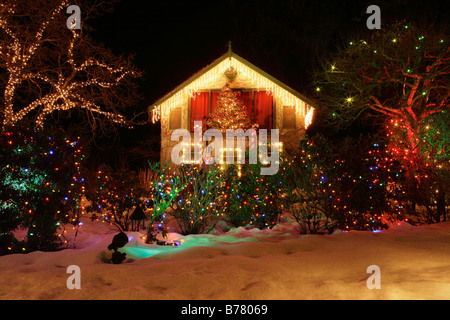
(48, 68)
(402, 72)
(41, 184)
(434, 147)
(230, 113)
(400, 77)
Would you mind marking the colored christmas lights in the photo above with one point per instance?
(34, 194)
(198, 207)
(343, 186)
(230, 113)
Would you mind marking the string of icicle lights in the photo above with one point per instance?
(257, 80)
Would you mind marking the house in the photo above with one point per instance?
(270, 103)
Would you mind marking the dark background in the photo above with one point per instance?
(172, 40)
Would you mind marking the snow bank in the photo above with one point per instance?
(240, 264)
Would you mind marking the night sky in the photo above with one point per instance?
(172, 40)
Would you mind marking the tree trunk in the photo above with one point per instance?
(440, 205)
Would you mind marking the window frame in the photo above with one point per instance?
(252, 90)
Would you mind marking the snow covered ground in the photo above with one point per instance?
(240, 264)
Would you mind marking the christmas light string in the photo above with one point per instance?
(64, 94)
(210, 77)
(31, 179)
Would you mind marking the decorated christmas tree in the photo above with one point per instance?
(230, 113)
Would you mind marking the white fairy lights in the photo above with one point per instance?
(309, 118)
(257, 80)
(64, 93)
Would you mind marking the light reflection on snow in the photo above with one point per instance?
(140, 252)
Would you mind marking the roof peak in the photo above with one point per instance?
(230, 54)
(230, 50)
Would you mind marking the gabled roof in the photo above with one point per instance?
(234, 59)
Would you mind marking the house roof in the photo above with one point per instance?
(228, 55)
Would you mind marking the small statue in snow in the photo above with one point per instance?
(118, 241)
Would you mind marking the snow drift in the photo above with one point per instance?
(240, 264)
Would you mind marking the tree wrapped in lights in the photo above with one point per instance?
(48, 68)
(41, 185)
(435, 145)
(399, 77)
(230, 113)
(433, 173)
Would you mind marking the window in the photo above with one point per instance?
(199, 108)
(289, 117)
(263, 109)
(175, 119)
(259, 106)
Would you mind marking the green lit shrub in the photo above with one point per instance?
(196, 207)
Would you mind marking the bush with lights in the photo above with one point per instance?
(252, 198)
(197, 207)
(115, 194)
(164, 185)
(41, 185)
(352, 185)
(309, 195)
